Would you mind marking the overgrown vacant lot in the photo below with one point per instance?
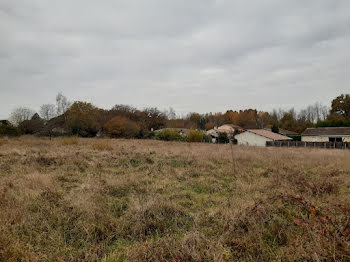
(75, 199)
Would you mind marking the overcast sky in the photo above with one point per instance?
(192, 55)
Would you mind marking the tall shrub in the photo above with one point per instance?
(169, 135)
(195, 136)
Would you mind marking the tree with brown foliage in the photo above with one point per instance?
(122, 127)
(81, 119)
(152, 118)
(341, 106)
(209, 126)
(247, 118)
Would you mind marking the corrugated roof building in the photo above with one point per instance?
(326, 134)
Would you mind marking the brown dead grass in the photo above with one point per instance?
(68, 141)
(102, 145)
(131, 200)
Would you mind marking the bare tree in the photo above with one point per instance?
(62, 104)
(262, 119)
(171, 115)
(21, 114)
(325, 112)
(314, 113)
(48, 111)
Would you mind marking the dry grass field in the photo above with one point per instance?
(73, 199)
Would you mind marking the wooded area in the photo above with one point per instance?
(86, 120)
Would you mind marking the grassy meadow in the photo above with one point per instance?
(73, 199)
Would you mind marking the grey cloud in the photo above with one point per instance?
(199, 55)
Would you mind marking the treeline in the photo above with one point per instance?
(86, 120)
(316, 115)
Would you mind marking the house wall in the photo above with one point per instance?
(250, 139)
(322, 138)
(315, 139)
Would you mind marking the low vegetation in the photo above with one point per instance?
(195, 136)
(145, 200)
(169, 135)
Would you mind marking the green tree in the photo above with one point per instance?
(275, 129)
(9, 130)
(223, 138)
(169, 135)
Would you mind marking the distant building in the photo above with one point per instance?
(326, 134)
(284, 132)
(4, 123)
(229, 129)
(214, 135)
(259, 137)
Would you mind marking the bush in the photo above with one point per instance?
(169, 135)
(296, 137)
(207, 139)
(122, 127)
(195, 136)
(223, 138)
(9, 131)
(145, 134)
(275, 129)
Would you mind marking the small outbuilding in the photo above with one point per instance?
(230, 129)
(4, 123)
(259, 137)
(214, 135)
(326, 134)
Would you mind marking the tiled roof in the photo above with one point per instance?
(268, 134)
(327, 131)
(230, 126)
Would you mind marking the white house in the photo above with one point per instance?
(259, 137)
(326, 134)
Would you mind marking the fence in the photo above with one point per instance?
(330, 145)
